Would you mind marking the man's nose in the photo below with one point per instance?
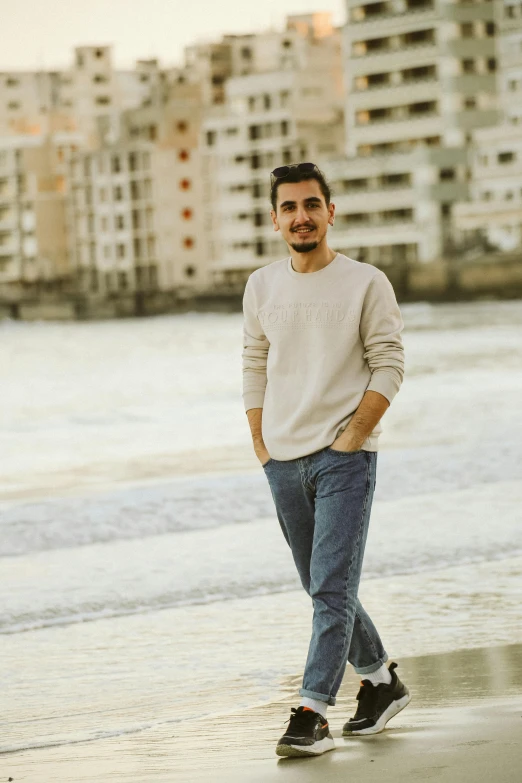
(301, 216)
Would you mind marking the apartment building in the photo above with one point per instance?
(291, 110)
(73, 99)
(34, 248)
(212, 64)
(420, 77)
(135, 219)
(492, 218)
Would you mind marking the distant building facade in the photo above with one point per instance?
(34, 243)
(492, 217)
(420, 76)
(289, 108)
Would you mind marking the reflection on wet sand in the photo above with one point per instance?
(463, 722)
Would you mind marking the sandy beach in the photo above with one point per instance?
(151, 620)
(464, 725)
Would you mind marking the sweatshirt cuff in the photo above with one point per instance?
(253, 399)
(385, 383)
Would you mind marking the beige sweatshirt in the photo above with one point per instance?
(313, 344)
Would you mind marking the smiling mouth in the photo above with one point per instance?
(303, 230)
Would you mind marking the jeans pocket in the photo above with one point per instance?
(267, 462)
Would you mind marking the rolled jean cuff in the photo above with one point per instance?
(372, 667)
(317, 696)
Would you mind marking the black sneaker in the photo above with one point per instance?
(377, 704)
(308, 734)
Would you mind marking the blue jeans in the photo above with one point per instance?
(323, 503)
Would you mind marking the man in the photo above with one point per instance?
(322, 360)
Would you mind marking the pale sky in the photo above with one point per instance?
(42, 33)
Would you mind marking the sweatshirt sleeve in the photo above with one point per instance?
(255, 352)
(380, 329)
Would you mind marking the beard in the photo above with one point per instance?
(304, 247)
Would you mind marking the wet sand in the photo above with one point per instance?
(464, 725)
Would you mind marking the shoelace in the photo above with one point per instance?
(299, 721)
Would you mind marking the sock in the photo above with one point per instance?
(316, 706)
(381, 675)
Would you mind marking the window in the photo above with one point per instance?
(152, 132)
(133, 161)
(115, 164)
(466, 30)
(260, 248)
(188, 243)
(190, 271)
(183, 155)
(135, 190)
(120, 222)
(13, 105)
(468, 66)
(104, 224)
(287, 156)
(99, 78)
(267, 101)
(135, 218)
(255, 162)
(246, 53)
(98, 53)
(118, 193)
(122, 280)
(182, 126)
(505, 157)
(490, 29)
(259, 219)
(254, 132)
(11, 82)
(257, 190)
(121, 251)
(107, 252)
(470, 103)
(211, 138)
(492, 64)
(284, 127)
(102, 100)
(187, 213)
(185, 184)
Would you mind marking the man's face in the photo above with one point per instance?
(302, 215)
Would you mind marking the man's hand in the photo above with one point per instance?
(343, 444)
(261, 453)
(255, 416)
(368, 414)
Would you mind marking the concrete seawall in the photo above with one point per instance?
(492, 276)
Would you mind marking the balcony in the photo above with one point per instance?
(403, 118)
(406, 83)
(393, 58)
(390, 22)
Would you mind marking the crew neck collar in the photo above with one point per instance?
(312, 275)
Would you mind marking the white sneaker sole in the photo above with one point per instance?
(323, 746)
(394, 708)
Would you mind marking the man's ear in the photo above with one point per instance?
(331, 214)
(274, 220)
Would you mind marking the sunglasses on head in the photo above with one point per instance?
(283, 171)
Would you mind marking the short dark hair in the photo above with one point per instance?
(296, 175)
